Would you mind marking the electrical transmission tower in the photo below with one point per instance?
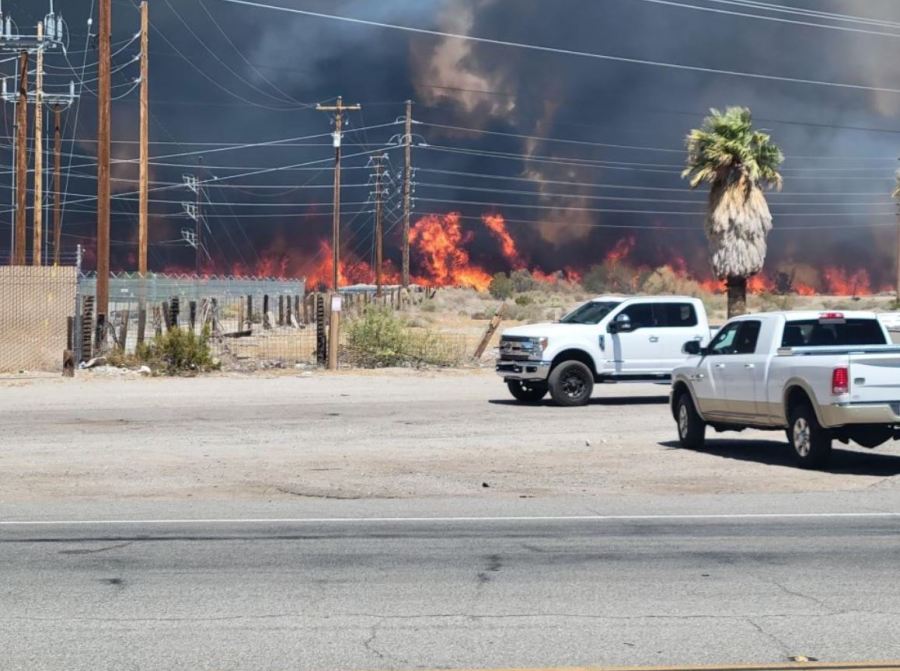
(194, 211)
(377, 162)
(49, 34)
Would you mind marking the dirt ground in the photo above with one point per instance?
(381, 435)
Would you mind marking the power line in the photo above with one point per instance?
(565, 52)
(770, 18)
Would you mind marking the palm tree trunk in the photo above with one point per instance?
(737, 296)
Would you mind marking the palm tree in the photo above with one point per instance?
(738, 163)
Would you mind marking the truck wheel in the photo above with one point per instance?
(571, 383)
(527, 392)
(811, 442)
(691, 429)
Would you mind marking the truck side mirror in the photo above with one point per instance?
(692, 348)
(621, 324)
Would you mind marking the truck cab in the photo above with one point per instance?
(607, 339)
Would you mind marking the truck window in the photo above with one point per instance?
(641, 315)
(675, 314)
(811, 333)
(723, 343)
(591, 312)
(747, 336)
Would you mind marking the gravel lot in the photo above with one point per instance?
(384, 435)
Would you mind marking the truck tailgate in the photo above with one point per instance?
(875, 376)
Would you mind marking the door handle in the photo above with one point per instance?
(720, 365)
(698, 376)
(749, 365)
(654, 338)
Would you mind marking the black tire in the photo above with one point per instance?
(811, 443)
(571, 383)
(691, 428)
(527, 392)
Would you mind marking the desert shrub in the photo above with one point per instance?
(612, 277)
(524, 299)
(664, 280)
(770, 302)
(522, 280)
(177, 351)
(501, 286)
(378, 338)
(429, 306)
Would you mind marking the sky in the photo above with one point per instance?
(576, 152)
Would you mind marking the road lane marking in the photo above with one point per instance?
(458, 519)
(788, 666)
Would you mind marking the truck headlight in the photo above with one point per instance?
(538, 345)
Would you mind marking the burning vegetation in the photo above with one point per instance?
(446, 252)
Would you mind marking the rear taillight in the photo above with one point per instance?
(840, 381)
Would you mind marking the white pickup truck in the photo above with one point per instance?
(819, 375)
(606, 339)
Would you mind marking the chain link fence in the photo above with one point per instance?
(36, 304)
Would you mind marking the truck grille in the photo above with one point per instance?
(516, 348)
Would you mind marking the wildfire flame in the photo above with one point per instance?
(497, 225)
(440, 245)
(440, 249)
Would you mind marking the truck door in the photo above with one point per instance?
(676, 324)
(709, 379)
(635, 342)
(744, 372)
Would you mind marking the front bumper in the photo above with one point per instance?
(523, 370)
(843, 414)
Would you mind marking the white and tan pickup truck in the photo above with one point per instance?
(819, 375)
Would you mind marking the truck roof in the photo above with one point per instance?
(655, 299)
(791, 315)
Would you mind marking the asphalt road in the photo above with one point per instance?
(461, 593)
(199, 576)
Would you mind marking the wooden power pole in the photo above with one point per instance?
(379, 225)
(36, 253)
(57, 182)
(407, 179)
(21, 160)
(103, 189)
(339, 108)
(144, 174)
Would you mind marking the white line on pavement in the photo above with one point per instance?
(453, 520)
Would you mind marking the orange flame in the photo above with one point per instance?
(841, 282)
(621, 250)
(497, 225)
(439, 241)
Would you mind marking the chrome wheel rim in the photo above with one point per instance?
(802, 441)
(682, 421)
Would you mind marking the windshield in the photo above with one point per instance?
(591, 312)
(811, 332)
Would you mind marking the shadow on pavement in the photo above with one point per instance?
(609, 400)
(775, 453)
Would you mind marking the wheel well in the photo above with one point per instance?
(795, 396)
(574, 355)
(679, 389)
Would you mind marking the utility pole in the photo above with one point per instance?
(144, 173)
(407, 178)
(379, 226)
(21, 160)
(103, 188)
(339, 108)
(57, 182)
(36, 256)
(898, 252)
